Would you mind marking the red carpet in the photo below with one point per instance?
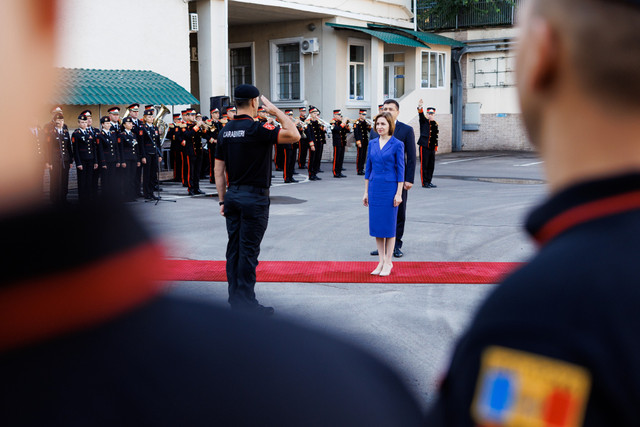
(348, 272)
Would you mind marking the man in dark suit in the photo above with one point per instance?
(405, 134)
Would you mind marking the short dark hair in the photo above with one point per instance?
(392, 101)
(389, 119)
(242, 102)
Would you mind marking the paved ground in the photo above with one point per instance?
(475, 214)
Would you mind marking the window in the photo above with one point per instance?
(288, 71)
(432, 70)
(356, 72)
(241, 68)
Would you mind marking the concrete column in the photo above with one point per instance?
(377, 74)
(213, 50)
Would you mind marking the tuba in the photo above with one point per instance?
(159, 122)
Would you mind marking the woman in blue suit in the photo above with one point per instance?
(384, 179)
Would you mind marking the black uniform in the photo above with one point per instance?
(60, 157)
(186, 135)
(149, 137)
(318, 134)
(428, 143)
(304, 144)
(136, 131)
(175, 152)
(110, 155)
(131, 156)
(361, 129)
(212, 137)
(89, 362)
(339, 132)
(562, 332)
(245, 147)
(85, 155)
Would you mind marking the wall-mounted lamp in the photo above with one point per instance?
(311, 26)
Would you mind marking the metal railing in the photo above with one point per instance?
(483, 14)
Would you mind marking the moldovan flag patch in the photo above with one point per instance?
(516, 388)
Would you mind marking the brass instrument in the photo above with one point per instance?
(126, 114)
(159, 122)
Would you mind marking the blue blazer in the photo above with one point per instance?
(386, 164)
(405, 134)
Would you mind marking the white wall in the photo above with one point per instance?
(126, 34)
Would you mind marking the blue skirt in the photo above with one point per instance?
(383, 216)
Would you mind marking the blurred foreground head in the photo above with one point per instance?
(577, 72)
(26, 82)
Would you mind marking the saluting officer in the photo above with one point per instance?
(187, 135)
(110, 157)
(289, 157)
(131, 159)
(149, 138)
(134, 110)
(361, 130)
(244, 152)
(84, 152)
(428, 143)
(339, 132)
(59, 158)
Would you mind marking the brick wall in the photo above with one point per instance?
(497, 132)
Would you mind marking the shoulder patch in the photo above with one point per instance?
(516, 388)
(268, 126)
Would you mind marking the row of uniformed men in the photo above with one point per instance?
(118, 155)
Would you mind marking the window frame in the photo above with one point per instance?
(441, 69)
(253, 63)
(365, 101)
(274, 66)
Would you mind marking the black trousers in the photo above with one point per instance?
(362, 157)
(338, 159)
(85, 181)
(302, 154)
(128, 180)
(150, 175)
(247, 216)
(197, 167)
(427, 164)
(188, 169)
(212, 163)
(402, 215)
(176, 164)
(313, 154)
(318, 161)
(58, 182)
(288, 162)
(110, 181)
(279, 158)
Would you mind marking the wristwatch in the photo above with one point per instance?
(221, 203)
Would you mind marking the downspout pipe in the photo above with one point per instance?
(456, 139)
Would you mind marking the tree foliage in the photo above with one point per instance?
(443, 11)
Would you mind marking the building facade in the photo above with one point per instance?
(347, 55)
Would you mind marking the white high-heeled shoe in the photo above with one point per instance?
(386, 270)
(378, 269)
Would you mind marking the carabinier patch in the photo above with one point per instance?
(516, 388)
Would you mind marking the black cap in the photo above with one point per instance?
(82, 117)
(134, 107)
(431, 109)
(105, 119)
(127, 120)
(246, 91)
(58, 116)
(86, 113)
(148, 112)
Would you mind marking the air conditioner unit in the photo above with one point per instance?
(310, 45)
(193, 22)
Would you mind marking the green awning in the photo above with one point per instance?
(421, 35)
(80, 86)
(385, 36)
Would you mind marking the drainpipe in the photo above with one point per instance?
(456, 137)
(415, 15)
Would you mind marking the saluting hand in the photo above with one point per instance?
(271, 109)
